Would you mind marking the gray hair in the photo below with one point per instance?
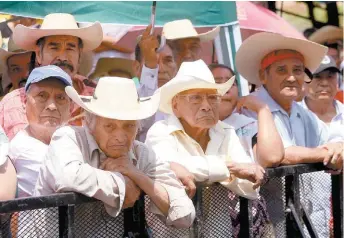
(90, 120)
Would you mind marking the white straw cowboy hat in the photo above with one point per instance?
(181, 29)
(327, 34)
(191, 75)
(58, 24)
(116, 98)
(256, 47)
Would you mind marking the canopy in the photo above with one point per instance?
(132, 13)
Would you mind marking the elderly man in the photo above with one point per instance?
(57, 43)
(16, 66)
(184, 40)
(192, 137)
(105, 150)
(47, 108)
(279, 65)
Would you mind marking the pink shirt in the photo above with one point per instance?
(12, 112)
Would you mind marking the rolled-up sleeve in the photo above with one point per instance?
(181, 213)
(148, 81)
(64, 169)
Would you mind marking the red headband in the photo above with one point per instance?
(274, 56)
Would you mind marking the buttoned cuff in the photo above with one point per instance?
(181, 213)
(241, 187)
(119, 188)
(218, 170)
(149, 78)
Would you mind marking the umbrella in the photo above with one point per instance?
(253, 19)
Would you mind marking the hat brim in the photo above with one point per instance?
(327, 33)
(4, 55)
(204, 37)
(175, 86)
(147, 107)
(255, 48)
(26, 37)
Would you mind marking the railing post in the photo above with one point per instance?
(196, 230)
(66, 221)
(245, 219)
(292, 193)
(337, 205)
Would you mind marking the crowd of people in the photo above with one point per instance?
(166, 121)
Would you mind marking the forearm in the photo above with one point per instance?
(270, 150)
(8, 181)
(299, 155)
(156, 192)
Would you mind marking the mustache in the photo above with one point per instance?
(64, 64)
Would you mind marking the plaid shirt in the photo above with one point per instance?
(12, 112)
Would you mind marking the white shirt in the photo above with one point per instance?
(27, 155)
(246, 128)
(72, 163)
(148, 81)
(4, 144)
(169, 141)
(334, 131)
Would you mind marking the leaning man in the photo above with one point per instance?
(104, 150)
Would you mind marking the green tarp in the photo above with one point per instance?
(135, 13)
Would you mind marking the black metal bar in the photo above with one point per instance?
(292, 202)
(245, 219)
(297, 230)
(55, 200)
(337, 204)
(308, 223)
(283, 171)
(66, 221)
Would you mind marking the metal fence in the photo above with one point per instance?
(219, 213)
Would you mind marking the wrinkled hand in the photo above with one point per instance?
(249, 171)
(251, 103)
(148, 45)
(78, 83)
(334, 158)
(121, 165)
(185, 177)
(132, 193)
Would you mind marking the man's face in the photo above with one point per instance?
(324, 86)
(115, 137)
(199, 108)
(62, 51)
(229, 100)
(284, 79)
(167, 66)
(185, 50)
(18, 68)
(47, 104)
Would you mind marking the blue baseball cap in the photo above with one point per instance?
(49, 71)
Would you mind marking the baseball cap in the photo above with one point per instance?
(327, 63)
(44, 72)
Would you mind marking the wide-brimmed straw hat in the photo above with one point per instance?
(191, 75)
(327, 34)
(256, 47)
(104, 65)
(181, 29)
(116, 98)
(58, 24)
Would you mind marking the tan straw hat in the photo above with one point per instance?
(116, 98)
(191, 75)
(105, 65)
(58, 24)
(256, 47)
(327, 34)
(181, 29)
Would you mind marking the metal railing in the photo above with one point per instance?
(133, 221)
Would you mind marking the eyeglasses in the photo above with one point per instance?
(198, 98)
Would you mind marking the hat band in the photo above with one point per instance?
(275, 56)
